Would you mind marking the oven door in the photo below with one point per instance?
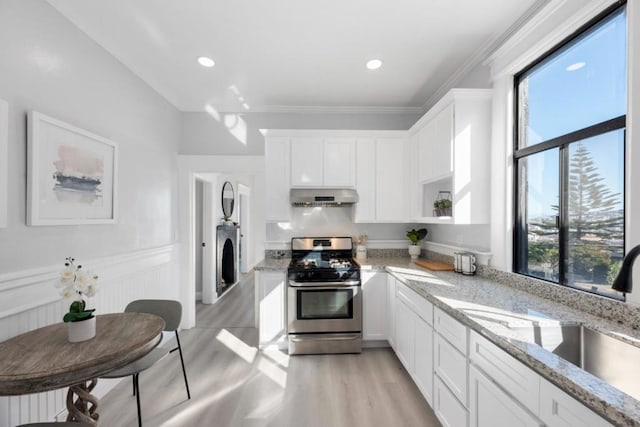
(324, 307)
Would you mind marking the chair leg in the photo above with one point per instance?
(184, 372)
(136, 385)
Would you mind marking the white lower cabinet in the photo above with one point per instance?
(423, 359)
(490, 406)
(449, 410)
(521, 382)
(270, 288)
(405, 333)
(374, 305)
(391, 311)
(414, 338)
(451, 366)
(451, 370)
(558, 409)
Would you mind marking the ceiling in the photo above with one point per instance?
(283, 55)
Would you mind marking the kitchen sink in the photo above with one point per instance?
(608, 358)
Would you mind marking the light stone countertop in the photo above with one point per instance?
(506, 316)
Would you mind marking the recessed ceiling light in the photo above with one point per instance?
(374, 64)
(206, 61)
(576, 66)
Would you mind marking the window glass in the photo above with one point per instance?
(596, 210)
(582, 84)
(571, 121)
(539, 189)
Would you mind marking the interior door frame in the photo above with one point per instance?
(244, 218)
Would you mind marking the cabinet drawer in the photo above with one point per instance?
(558, 409)
(489, 406)
(452, 330)
(450, 412)
(513, 376)
(451, 367)
(418, 304)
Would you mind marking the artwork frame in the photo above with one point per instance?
(71, 174)
(4, 162)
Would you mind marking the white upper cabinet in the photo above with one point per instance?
(339, 162)
(436, 146)
(454, 143)
(390, 180)
(365, 209)
(276, 153)
(376, 163)
(306, 162)
(318, 161)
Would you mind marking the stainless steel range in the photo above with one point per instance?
(324, 297)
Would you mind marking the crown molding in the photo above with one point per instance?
(309, 109)
(482, 54)
(576, 19)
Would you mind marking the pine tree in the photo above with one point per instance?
(591, 202)
(595, 223)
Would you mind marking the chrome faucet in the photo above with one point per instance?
(623, 281)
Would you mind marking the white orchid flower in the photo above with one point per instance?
(68, 292)
(82, 282)
(66, 277)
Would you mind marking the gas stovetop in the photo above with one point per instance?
(322, 259)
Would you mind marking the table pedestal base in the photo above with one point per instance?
(83, 407)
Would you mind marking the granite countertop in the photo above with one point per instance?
(507, 317)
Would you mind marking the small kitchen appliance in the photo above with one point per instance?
(468, 263)
(324, 297)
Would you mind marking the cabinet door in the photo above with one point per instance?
(339, 162)
(374, 302)
(423, 363)
(448, 409)
(520, 381)
(451, 367)
(405, 334)
(270, 293)
(277, 179)
(426, 151)
(491, 407)
(558, 409)
(390, 183)
(365, 209)
(306, 162)
(391, 311)
(443, 148)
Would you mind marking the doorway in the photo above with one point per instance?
(244, 218)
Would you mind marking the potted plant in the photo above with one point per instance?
(415, 236)
(442, 207)
(78, 284)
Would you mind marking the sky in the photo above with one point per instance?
(582, 86)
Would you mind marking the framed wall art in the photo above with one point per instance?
(4, 161)
(71, 174)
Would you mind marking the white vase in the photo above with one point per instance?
(81, 331)
(414, 251)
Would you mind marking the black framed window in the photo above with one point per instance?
(569, 158)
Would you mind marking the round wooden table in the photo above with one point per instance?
(43, 359)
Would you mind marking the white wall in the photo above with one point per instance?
(239, 134)
(330, 221)
(50, 66)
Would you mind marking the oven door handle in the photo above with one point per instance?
(342, 284)
(328, 337)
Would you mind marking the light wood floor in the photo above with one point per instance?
(233, 384)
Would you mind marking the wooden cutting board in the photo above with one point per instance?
(435, 265)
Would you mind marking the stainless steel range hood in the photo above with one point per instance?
(302, 197)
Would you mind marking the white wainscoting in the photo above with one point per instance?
(28, 300)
